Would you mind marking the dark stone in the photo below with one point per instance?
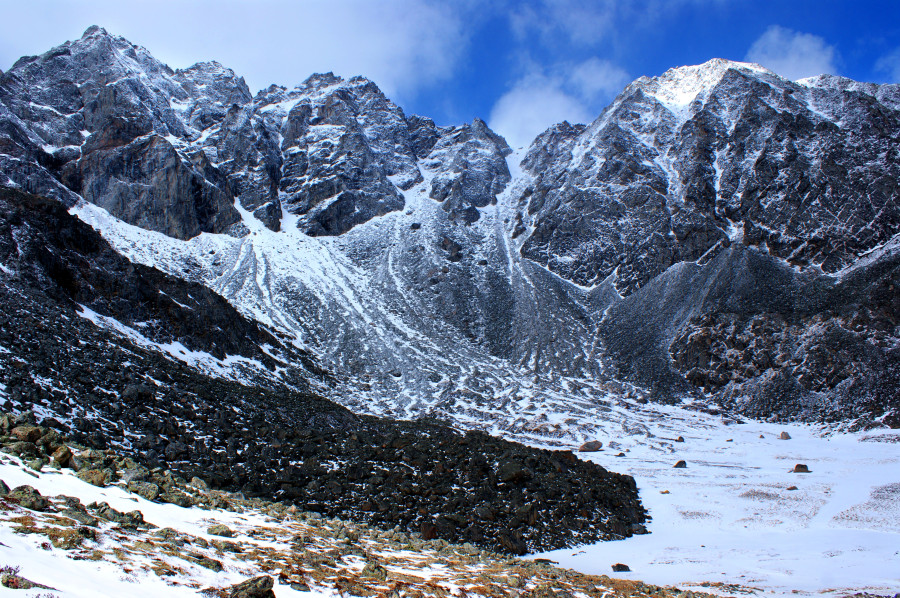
(28, 498)
(257, 587)
(513, 473)
(513, 542)
(204, 561)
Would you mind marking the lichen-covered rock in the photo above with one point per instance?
(257, 587)
(62, 456)
(96, 477)
(220, 530)
(147, 490)
(28, 498)
(27, 433)
(66, 539)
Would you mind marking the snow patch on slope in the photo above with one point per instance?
(233, 367)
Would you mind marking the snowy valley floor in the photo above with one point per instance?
(728, 523)
(733, 515)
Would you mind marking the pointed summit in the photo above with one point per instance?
(94, 30)
(679, 86)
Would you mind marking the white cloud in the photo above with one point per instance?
(595, 77)
(574, 93)
(403, 45)
(532, 106)
(890, 65)
(792, 54)
(581, 22)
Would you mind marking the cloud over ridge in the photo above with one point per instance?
(792, 54)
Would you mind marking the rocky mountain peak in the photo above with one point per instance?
(206, 75)
(678, 87)
(688, 162)
(321, 80)
(334, 152)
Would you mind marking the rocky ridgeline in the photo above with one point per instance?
(272, 541)
(680, 166)
(170, 151)
(270, 439)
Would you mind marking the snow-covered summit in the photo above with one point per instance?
(678, 87)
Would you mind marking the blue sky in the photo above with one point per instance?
(520, 65)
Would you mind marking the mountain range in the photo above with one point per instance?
(719, 237)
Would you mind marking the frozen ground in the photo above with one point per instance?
(730, 517)
(130, 576)
(728, 522)
(310, 557)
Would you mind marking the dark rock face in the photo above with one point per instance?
(681, 165)
(171, 151)
(470, 169)
(766, 340)
(341, 143)
(98, 113)
(718, 201)
(165, 193)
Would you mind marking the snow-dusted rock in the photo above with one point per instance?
(680, 166)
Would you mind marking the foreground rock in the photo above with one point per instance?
(258, 587)
(312, 552)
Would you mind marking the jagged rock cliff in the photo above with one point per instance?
(170, 151)
(680, 166)
(717, 232)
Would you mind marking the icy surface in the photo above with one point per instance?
(677, 88)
